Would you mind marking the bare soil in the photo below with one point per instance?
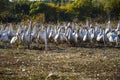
(60, 63)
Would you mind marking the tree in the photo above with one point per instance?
(49, 10)
(97, 9)
(112, 8)
(4, 4)
(82, 8)
(20, 0)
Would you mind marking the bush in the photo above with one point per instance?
(99, 10)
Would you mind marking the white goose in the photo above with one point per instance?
(4, 37)
(109, 28)
(118, 29)
(87, 36)
(14, 39)
(1, 29)
(100, 36)
(27, 35)
(34, 32)
(52, 34)
(80, 35)
(41, 36)
(113, 38)
(72, 37)
(19, 30)
(11, 32)
(60, 37)
(93, 34)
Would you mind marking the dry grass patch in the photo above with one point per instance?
(72, 63)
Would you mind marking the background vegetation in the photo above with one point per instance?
(59, 10)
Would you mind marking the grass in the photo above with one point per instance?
(70, 63)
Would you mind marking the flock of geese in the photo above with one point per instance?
(72, 34)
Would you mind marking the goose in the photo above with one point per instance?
(4, 37)
(19, 36)
(69, 25)
(11, 32)
(1, 30)
(105, 39)
(75, 36)
(117, 30)
(27, 35)
(34, 32)
(80, 35)
(117, 39)
(57, 38)
(13, 40)
(99, 38)
(72, 37)
(109, 28)
(48, 31)
(118, 27)
(19, 30)
(87, 23)
(102, 38)
(76, 26)
(93, 35)
(86, 37)
(60, 34)
(41, 36)
(52, 34)
(60, 37)
(97, 28)
(113, 38)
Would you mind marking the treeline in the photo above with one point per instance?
(99, 10)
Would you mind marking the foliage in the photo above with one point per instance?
(83, 7)
(66, 13)
(49, 10)
(3, 5)
(97, 8)
(38, 7)
(112, 8)
(21, 10)
(5, 11)
(59, 10)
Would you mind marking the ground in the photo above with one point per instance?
(60, 63)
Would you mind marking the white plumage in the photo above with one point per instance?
(13, 40)
(71, 34)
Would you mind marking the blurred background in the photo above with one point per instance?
(59, 10)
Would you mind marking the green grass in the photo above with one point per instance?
(71, 63)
